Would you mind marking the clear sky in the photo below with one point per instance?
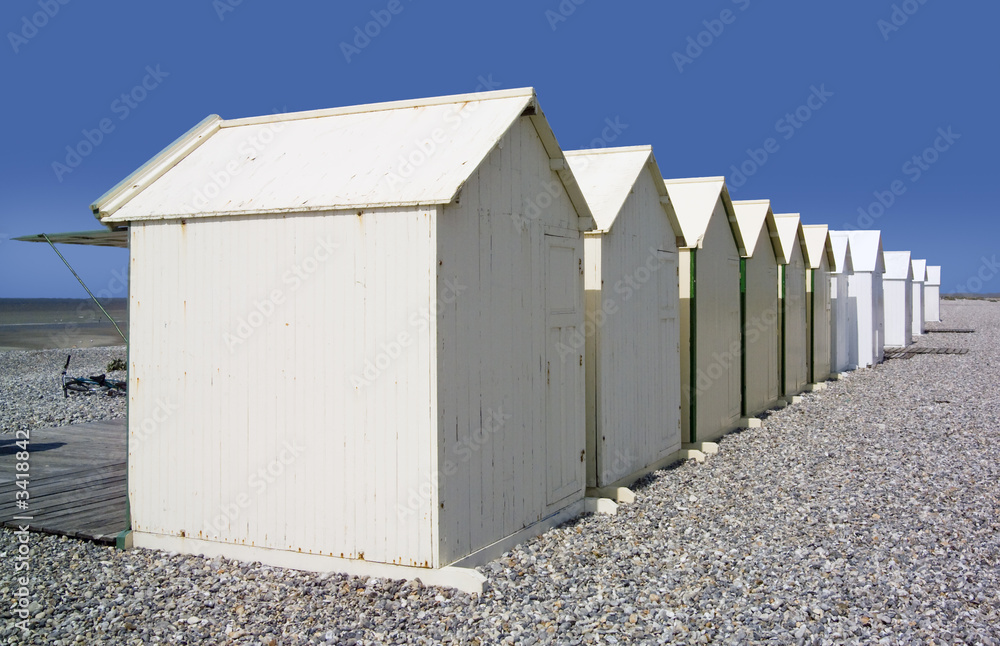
(871, 114)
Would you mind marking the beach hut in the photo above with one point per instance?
(865, 290)
(709, 263)
(897, 286)
(759, 318)
(818, 300)
(843, 309)
(357, 337)
(919, 280)
(932, 294)
(792, 304)
(632, 328)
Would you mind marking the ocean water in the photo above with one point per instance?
(40, 323)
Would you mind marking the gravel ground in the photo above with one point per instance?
(31, 391)
(866, 514)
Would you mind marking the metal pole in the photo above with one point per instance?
(96, 302)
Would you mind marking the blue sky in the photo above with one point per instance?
(848, 101)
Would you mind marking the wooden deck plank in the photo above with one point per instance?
(77, 481)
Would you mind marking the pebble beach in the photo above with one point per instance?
(869, 513)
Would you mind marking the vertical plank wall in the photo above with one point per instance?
(496, 444)
(820, 308)
(637, 343)
(718, 380)
(861, 292)
(842, 319)
(761, 334)
(256, 332)
(796, 330)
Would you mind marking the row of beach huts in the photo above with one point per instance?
(397, 339)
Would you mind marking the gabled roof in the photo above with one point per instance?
(99, 238)
(607, 177)
(866, 250)
(753, 216)
(841, 245)
(694, 201)
(402, 153)
(919, 270)
(790, 228)
(933, 275)
(897, 265)
(818, 244)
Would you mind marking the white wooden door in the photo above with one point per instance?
(668, 350)
(564, 372)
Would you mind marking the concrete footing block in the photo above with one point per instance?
(601, 506)
(691, 454)
(708, 448)
(621, 495)
(750, 422)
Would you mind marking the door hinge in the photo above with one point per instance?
(580, 264)
(548, 373)
(582, 453)
(581, 359)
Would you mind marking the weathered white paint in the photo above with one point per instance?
(932, 294)
(710, 297)
(633, 343)
(844, 310)
(401, 385)
(919, 281)
(819, 302)
(865, 289)
(463, 578)
(793, 304)
(761, 366)
(897, 286)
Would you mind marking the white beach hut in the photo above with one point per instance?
(759, 314)
(792, 294)
(843, 309)
(818, 300)
(932, 294)
(865, 289)
(632, 328)
(710, 307)
(897, 286)
(919, 281)
(364, 322)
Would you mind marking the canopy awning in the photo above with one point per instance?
(98, 238)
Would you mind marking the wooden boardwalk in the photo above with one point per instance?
(76, 484)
